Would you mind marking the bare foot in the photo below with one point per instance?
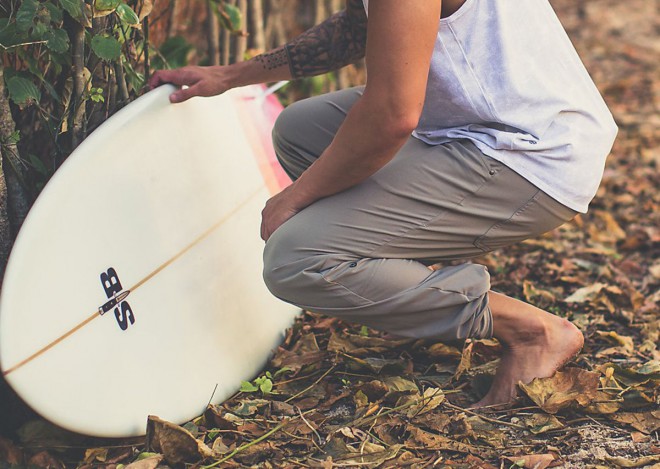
(536, 344)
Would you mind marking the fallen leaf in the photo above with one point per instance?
(538, 296)
(466, 360)
(626, 342)
(358, 345)
(10, 453)
(563, 389)
(432, 442)
(442, 351)
(176, 444)
(532, 461)
(541, 423)
(94, 455)
(430, 400)
(585, 293)
(377, 365)
(645, 422)
(150, 462)
(398, 387)
(45, 460)
(638, 462)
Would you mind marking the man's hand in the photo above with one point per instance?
(201, 81)
(278, 209)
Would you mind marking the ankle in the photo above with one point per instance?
(524, 331)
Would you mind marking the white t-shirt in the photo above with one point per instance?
(505, 75)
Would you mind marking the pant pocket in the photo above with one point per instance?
(536, 216)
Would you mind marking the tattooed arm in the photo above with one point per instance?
(338, 41)
(400, 42)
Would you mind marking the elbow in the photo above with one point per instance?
(400, 125)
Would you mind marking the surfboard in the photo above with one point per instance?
(134, 287)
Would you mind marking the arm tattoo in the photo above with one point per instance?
(338, 41)
(273, 59)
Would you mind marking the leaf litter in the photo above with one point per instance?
(341, 395)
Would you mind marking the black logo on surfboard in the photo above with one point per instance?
(113, 290)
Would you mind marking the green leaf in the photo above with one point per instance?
(55, 12)
(127, 15)
(9, 34)
(105, 5)
(37, 164)
(133, 78)
(246, 386)
(22, 91)
(25, 15)
(233, 16)
(266, 386)
(106, 47)
(74, 7)
(57, 40)
(174, 51)
(40, 31)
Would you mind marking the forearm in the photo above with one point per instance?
(330, 45)
(368, 139)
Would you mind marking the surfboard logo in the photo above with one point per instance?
(113, 290)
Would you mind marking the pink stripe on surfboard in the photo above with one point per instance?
(257, 117)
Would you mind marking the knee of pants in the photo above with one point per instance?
(283, 269)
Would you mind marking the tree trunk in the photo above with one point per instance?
(275, 34)
(256, 17)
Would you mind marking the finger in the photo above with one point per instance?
(184, 94)
(155, 80)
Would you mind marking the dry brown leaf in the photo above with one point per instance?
(359, 345)
(175, 443)
(45, 460)
(542, 298)
(466, 360)
(532, 461)
(95, 454)
(442, 351)
(10, 453)
(563, 389)
(585, 293)
(486, 431)
(150, 462)
(638, 462)
(541, 423)
(432, 442)
(645, 422)
(626, 342)
(431, 399)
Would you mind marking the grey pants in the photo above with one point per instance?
(362, 255)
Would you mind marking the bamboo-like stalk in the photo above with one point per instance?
(14, 203)
(121, 84)
(77, 37)
(256, 25)
(212, 35)
(241, 39)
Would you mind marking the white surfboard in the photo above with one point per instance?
(134, 286)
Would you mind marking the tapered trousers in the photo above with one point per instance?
(362, 255)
